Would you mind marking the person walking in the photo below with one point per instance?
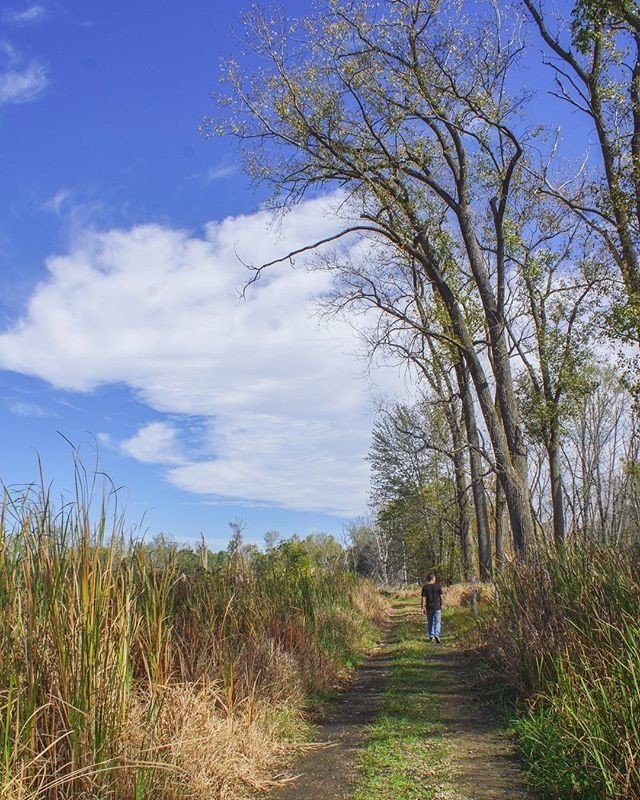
(431, 604)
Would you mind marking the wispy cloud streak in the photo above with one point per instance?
(27, 16)
(20, 81)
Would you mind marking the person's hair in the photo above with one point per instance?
(431, 575)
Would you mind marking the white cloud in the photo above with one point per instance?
(281, 414)
(28, 410)
(156, 443)
(219, 172)
(106, 440)
(57, 201)
(20, 82)
(27, 16)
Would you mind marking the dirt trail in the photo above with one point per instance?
(483, 764)
(329, 772)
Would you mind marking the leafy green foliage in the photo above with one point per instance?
(414, 491)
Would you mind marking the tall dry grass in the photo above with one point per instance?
(565, 636)
(121, 675)
(462, 594)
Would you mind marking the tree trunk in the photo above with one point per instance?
(499, 521)
(475, 468)
(462, 501)
(502, 424)
(557, 500)
(511, 457)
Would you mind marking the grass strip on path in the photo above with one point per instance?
(408, 753)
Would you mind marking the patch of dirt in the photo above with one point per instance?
(483, 762)
(328, 772)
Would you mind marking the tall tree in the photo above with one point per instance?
(595, 56)
(407, 109)
(407, 313)
(601, 460)
(556, 301)
(419, 489)
(476, 472)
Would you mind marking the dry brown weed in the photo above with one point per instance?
(460, 594)
(367, 599)
(197, 747)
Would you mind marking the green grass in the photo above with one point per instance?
(289, 726)
(459, 623)
(407, 755)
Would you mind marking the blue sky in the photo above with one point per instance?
(120, 327)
